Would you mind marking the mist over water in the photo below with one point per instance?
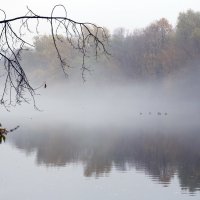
(122, 107)
(110, 130)
(119, 104)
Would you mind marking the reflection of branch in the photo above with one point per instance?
(81, 36)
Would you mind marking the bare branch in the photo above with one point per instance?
(81, 36)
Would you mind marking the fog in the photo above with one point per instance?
(118, 104)
(151, 80)
(111, 126)
(101, 125)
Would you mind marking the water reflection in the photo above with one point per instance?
(161, 155)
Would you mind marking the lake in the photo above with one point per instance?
(117, 142)
(43, 160)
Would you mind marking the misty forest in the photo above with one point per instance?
(111, 116)
(158, 52)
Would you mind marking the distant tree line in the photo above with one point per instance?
(154, 52)
(159, 49)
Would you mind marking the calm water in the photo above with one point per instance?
(43, 160)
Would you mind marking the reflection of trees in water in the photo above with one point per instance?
(158, 155)
(189, 167)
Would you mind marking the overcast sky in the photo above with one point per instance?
(129, 14)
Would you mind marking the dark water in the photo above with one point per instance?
(57, 161)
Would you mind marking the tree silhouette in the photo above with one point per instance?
(81, 36)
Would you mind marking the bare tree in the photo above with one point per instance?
(81, 36)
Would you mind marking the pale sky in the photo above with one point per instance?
(112, 14)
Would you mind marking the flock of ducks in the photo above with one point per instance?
(158, 113)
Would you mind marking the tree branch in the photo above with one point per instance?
(12, 43)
